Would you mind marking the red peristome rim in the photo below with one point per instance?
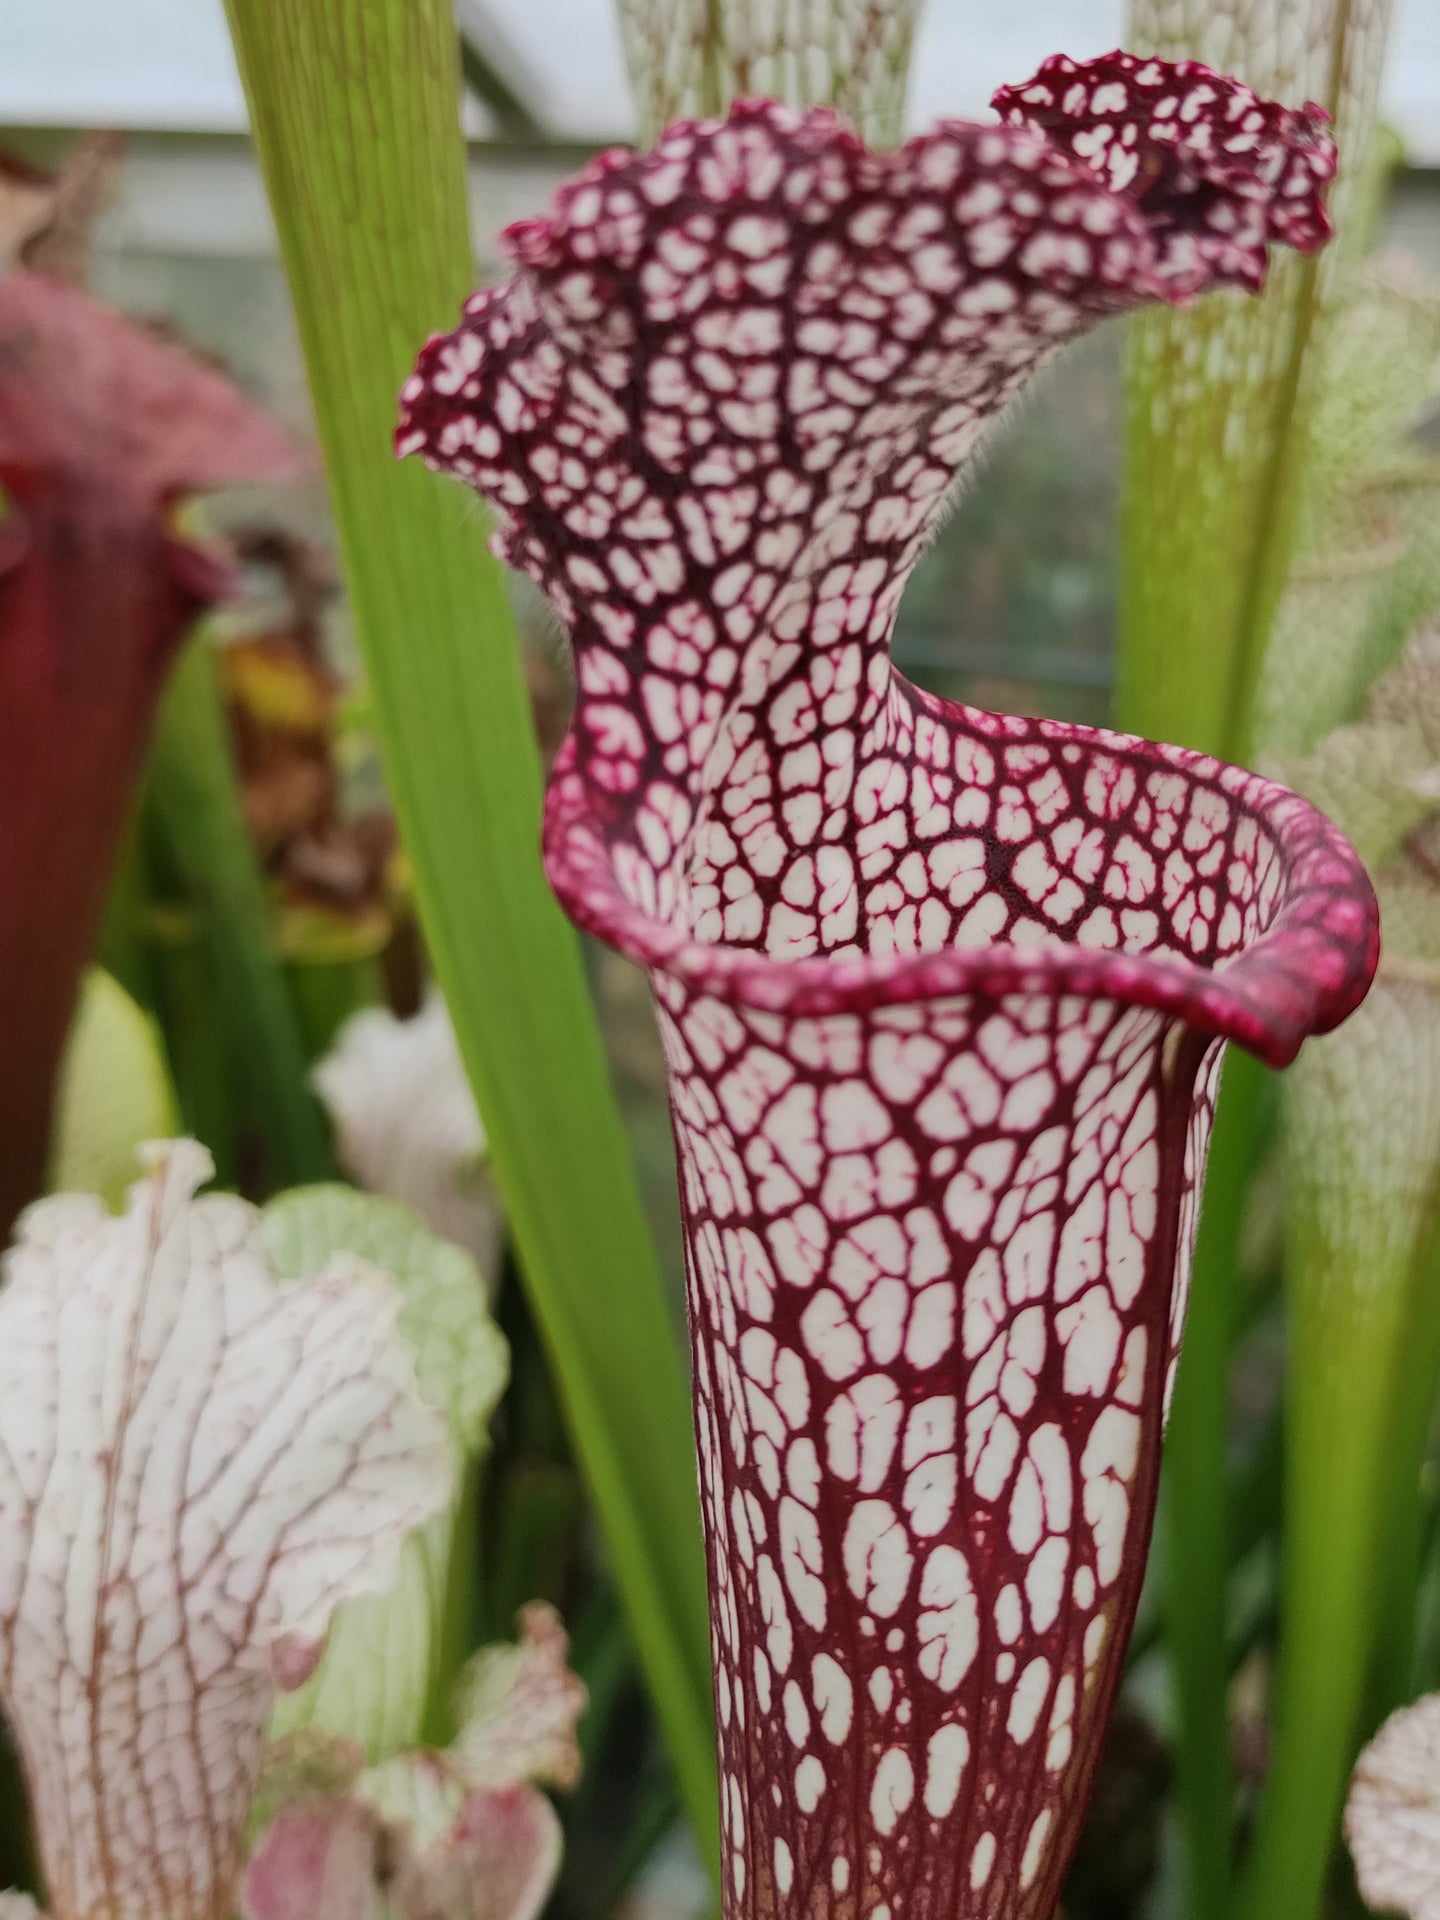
(1305, 974)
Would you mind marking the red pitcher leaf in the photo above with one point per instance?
(103, 427)
(93, 404)
(943, 993)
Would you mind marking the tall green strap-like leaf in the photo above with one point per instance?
(1216, 397)
(696, 56)
(1197, 1541)
(1362, 1165)
(1408, 1520)
(1363, 571)
(1216, 403)
(354, 110)
(1362, 1121)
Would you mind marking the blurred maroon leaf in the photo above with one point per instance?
(103, 428)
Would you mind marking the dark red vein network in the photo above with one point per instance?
(942, 992)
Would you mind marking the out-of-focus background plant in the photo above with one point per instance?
(269, 779)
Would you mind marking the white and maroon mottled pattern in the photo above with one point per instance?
(930, 1258)
(1219, 173)
(942, 992)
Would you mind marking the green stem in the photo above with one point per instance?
(1339, 1381)
(1425, 1675)
(325, 994)
(1197, 1496)
(530, 1543)
(1269, 558)
(1212, 466)
(200, 1063)
(353, 104)
(1361, 1181)
(454, 1640)
(123, 948)
(1253, 1499)
(196, 796)
(1408, 1515)
(534, 1524)
(712, 69)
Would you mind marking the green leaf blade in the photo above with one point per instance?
(353, 104)
(1217, 410)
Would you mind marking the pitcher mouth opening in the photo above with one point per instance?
(1301, 968)
(720, 407)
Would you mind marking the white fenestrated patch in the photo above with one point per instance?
(946, 1754)
(892, 1790)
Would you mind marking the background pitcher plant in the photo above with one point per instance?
(198, 1466)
